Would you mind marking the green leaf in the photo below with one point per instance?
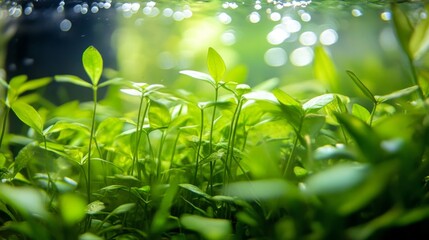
(312, 124)
(403, 27)
(419, 42)
(362, 87)
(126, 207)
(337, 179)
(262, 189)
(361, 112)
(29, 202)
(367, 140)
(216, 65)
(237, 74)
(200, 76)
(72, 208)
(73, 80)
(291, 108)
(324, 69)
(330, 152)
(95, 207)
(194, 189)
(318, 102)
(93, 64)
(114, 81)
(34, 84)
(17, 81)
(159, 115)
(208, 228)
(397, 94)
(28, 115)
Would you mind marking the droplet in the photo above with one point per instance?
(305, 17)
(168, 12)
(291, 25)
(328, 37)
(275, 57)
(254, 17)
(228, 38)
(302, 56)
(278, 35)
(94, 9)
(308, 38)
(224, 18)
(275, 16)
(357, 12)
(65, 25)
(386, 16)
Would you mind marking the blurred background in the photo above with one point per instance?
(151, 41)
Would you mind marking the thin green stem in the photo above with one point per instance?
(3, 130)
(88, 187)
(139, 128)
(290, 161)
(231, 142)
(213, 163)
(197, 157)
(371, 117)
(159, 162)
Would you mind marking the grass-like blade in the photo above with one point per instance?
(361, 86)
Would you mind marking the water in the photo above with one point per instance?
(151, 41)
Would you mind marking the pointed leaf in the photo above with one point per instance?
(397, 94)
(93, 64)
(73, 80)
(208, 228)
(194, 189)
(114, 81)
(318, 102)
(419, 42)
(324, 69)
(28, 115)
(362, 87)
(34, 84)
(216, 65)
(361, 112)
(200, 76)
(16, 82)
(403, 27)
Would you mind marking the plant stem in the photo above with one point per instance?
(139, 128)
(231, 141)
(290, 160)
(371, 117)
(88, 187)
(158, 166)
(5, 117)
(212, 164)
(415, 81)
(197, 158)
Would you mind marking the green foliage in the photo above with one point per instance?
(249, 163)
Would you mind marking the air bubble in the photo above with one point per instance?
(65, 25)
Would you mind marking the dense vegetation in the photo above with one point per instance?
(253, 162)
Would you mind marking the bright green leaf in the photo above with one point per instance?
(93, 64)
(200, 76)
(419, 42)
(208, 228)
(216, 65)
(34, 84)
(361, 112)
(324, 69)
(159, 115)
(318, 102)
(73, 80)
(28, 115)
(114, 81)
(72, 208)
(95, 207)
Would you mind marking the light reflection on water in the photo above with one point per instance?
(279, 34)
